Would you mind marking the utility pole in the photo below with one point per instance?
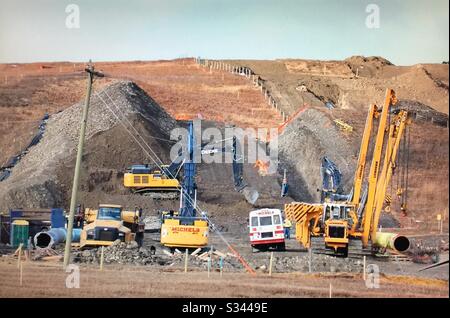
(76, 178)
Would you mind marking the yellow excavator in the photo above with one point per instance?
(145, 180)
(350, 223)
(110, 222)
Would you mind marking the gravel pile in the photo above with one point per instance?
(320, 263)
(302, 145)
(228, 263)
(34, 182)
(122, 253)
(420, 112)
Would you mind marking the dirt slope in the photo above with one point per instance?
(27, 91)
(39, 178)
(351, 86)
(185, 89)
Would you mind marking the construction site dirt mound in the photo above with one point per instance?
(119, 114)
(367, 66)
(43, 176)
(302, 145)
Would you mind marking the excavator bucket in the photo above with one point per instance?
(250, 195)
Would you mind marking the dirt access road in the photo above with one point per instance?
(48, 280)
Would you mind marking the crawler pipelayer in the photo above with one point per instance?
(350, 225)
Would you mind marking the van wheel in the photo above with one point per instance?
(281, 247)
(255, 250)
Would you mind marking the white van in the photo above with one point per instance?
(266, 229)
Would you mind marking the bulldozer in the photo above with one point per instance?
(110, 222)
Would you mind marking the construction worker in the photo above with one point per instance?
(287, 228)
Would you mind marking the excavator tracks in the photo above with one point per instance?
(158, 194)
(355, 248)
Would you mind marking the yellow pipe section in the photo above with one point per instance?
(391, 241)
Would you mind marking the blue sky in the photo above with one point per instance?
(411, 31)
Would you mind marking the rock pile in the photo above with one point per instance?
(229, 262)
(122, 253)
(35, 181)
(320, 263)
(302, 145)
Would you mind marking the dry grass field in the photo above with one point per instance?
(49, 280)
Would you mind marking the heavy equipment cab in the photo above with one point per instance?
(109, 223)
(109, 213)
(337, 221)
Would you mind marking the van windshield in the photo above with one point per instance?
(109, 213)
(276, 219)
(265, 220)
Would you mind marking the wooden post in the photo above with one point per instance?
(19, 253)
(102, 256)
(270, 263)
(439, 219)
(331, 287)
(186, 261)
(76, 179)
(21, 274)
(221, 266)
(310, 260)
(364, 267)
(209, 265)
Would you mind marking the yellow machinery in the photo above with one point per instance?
(185, 228)
(177, 233)
(110, 222)
(142, 179)
(339, 226)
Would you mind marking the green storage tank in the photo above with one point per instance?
(19, 233)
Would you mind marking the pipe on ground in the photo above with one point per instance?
(55, 236)
(392, 241)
